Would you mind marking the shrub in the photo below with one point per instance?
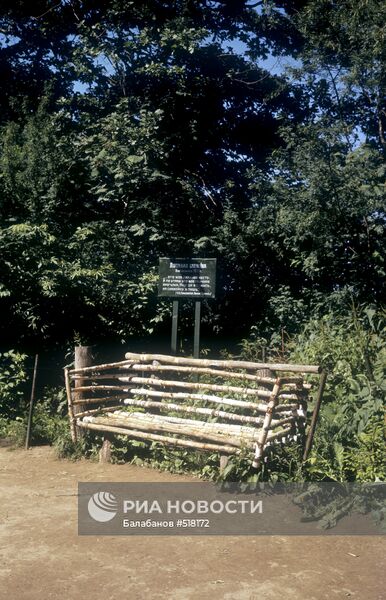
(13, 378)
(349, 442)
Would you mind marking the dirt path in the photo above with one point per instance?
(42, 557)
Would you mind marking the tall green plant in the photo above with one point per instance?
(13, 377)
(350, 440)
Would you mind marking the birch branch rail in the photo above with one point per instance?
(159, 438)
(210, 412)
(133, 398)
(202, 386)
(233, 364)
(95, 374)
(193, 423)
(181, 430)
(201, 371)
(209, 398)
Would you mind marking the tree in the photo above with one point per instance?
(151, 128)
(345, 49)
(146, 161)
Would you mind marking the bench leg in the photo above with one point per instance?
(224, 459)
(105, 451)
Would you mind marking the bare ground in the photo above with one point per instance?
(42, 557)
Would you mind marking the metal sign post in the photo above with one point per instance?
(193, 278)
(197, 324)
(174, 327)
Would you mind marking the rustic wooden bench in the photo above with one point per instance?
(224, 406)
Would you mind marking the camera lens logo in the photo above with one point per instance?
(102, 507)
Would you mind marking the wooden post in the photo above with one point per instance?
(105, 451)
(315, 414)
(70, 405)
(83, 358)
(266, 425)
(31, 403)
(268, 373)
(224, 459)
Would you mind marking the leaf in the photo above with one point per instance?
(134, 159)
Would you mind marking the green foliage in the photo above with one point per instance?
(63, 264)
(66, 448)
(183, 142)
(13, 377)
(13, 430)
(50, 420)
(280, 463)
(145, 162)
(254, 346)
(368, 459)
(350, 439)
(344, 56)
(329, 207)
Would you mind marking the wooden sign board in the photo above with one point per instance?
(187, 278)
